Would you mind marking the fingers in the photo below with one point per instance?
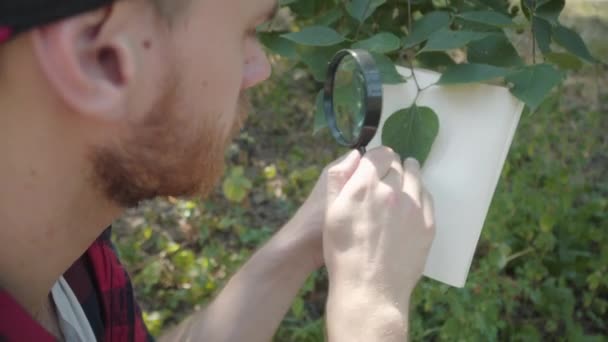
(346, 165)
(394, 177)
(374, 166)
(415, 189)
(412, 183)
(340, 171)
(428, 207)
(346, 159)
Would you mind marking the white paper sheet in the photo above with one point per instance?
(477, 125)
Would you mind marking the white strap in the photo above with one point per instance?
(72, 320)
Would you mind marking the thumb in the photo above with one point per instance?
(339, 172)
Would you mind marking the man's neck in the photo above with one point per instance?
(50, 212)
(48, 318)
(41, 243)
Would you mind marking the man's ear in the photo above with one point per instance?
(88, 67)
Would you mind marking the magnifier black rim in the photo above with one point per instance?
(372, 101)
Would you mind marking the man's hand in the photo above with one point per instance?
(379, 229)
(255, 300)
(367, 216)
(308, 224)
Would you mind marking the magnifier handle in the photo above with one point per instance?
(362, 150)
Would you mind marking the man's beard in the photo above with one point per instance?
(162, 158)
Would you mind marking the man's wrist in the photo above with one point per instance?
(285, 253)
(361, 315)
(298, 247)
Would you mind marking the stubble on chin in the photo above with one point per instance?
(158, 159)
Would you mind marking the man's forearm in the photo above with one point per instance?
(255, 300)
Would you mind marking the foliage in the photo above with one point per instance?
(236, 186)
(539, 273)
(540, 269)
(468, 41)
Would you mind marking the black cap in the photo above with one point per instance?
(17, 16)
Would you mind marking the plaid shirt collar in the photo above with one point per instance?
(104, 290)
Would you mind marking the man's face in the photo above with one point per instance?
(175, 140)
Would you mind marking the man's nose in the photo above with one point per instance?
(257, 68)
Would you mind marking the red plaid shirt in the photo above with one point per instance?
(104, 290)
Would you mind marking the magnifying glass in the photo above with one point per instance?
(352, 98)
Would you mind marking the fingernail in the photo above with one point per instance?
(354, 153)
(412, 163)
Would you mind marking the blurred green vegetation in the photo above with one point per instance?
(541, 268)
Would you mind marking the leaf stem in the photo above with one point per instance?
(430, 331)
(409, 61)
(598, 101)
(533, 33)
(419, 89)
(409, 16)
(427, 87)
(519, 255)
(533, 46)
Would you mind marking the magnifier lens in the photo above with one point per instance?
(349, 95)
(352, 98)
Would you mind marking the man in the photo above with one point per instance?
(106, 103)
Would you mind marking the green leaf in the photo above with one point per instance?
(469, 73)
(542, 32)
(539, 3)
(387, 69)
(411, 132)
(488, 18)
(383, 42)
(184, 260)
(550, 11)
(270, 172)
(424, 27)
(315, 36)
(447, 39)
(329, 18)
(564, 60)
(526, 7)
(572, 42)
(501, 6)
(363, 9)
(278, 45)
(236, 186)
(320, 118)
(434, 60)
(171, 247)
(150, 275)
(298, 308)
(532, 84)
(494, 50)
(302, 9)
(317, 59)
